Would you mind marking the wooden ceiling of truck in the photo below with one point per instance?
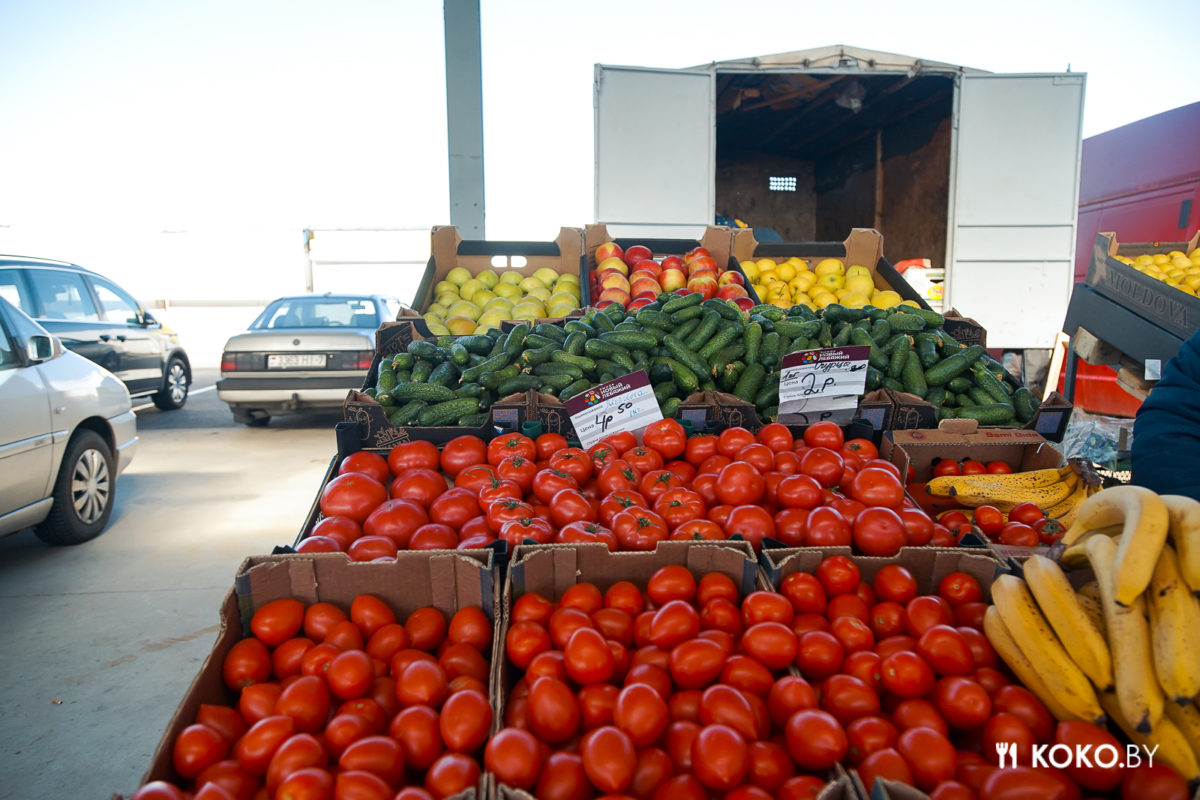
(812, 116)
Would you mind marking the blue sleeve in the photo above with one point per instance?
(1166, 433)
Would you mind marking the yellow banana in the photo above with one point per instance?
(1187, 719)
(1146, 522)
(948, 485)
(1061, 607)
(1128, 631)
(1068, 510)
(1173, 747)
(1174, 630)
(1095, 612)
(1028, 674)
(1006, 498)
(1091, 591)
(1060, 673)
(1184, 513)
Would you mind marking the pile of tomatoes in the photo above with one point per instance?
(818, 491)
(342, 706)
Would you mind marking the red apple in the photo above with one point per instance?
(702, 264)
(608, 301)
(609, 250)
(705, 285)
(640, 302)
(647, 294)
(672, 279)
(615, 280)
(649, 265)
(672, 262)
(695, 252)
(637, 253)
(645, 284)
(731, 290)
(613, 263)
(619, 295)
(731, 276)
(744, 303)
(642, 273)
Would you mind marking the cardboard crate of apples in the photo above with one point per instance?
(466, 303)
(634, 278)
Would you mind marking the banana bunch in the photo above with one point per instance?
(1058, 492)
(1125, 645)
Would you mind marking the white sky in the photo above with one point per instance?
(126, 116)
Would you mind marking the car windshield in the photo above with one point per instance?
(319, 312)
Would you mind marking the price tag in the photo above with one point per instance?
(626, 404)
(825, 384)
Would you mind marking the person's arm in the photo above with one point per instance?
(1166, 433)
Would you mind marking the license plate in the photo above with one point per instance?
(297, 361)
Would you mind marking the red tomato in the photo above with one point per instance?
(827, 528)
(641, 713)
(248, 662)
(918, 713)
(982, 653)
(753, 523)
(998, 468)
(1159, 781)
(569, 505)
(618, 476)
(922, 613)
(815, 740)
(973, 467)
(700, 448)
(865, 449)
(946, 651)
(1013, 783)
(731, 440)
(778, 438)
(666, 436)
(847, 698)
(618, 501)
(867, 735)
(739, 483)
(799, 491)
(819, 655)
(943, 467)
(462, 452)
(884, 763)
(413, 455)
(1004, 728)
(824, 434)
(573, 461)
(1019, 534)
(894, 583)
(838, 575)
(367, 463)
(643, 459)
(518, 469)
(514, 444)
(657, 482)
(1103, 746)
(548, 444)
(1025, 706)
(639, 529)
(720, 759)
(399, 519)
(929, 754)
(587, 657)
(962, 702)
(418, 731)
(875, 486)
(990, 520)
(1049, 530)
(879, 532)
(197, 747)
(1027, 513)
(677, 506)
(958, 588)
(823, 464)
(354, 495)
(918, 527)
(759, 456)
(887, 619)
(514, 757)
(905, 674)
(609, 758)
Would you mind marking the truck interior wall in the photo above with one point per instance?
(742, 186)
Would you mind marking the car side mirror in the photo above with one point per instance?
(148, 319)
(42, 347)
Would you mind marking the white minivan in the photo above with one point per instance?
(67, 429)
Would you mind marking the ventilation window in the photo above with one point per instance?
(781, 184)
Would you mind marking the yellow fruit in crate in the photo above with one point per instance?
(832, 281)
(799, 285)
(786, 271)
(539, 293)
(1144, 259)
(751, 270)
(458, 276)
(1186, 290)
(499, 304)
(854, 300)
(437, 310)
(860, 283)
(445, 287)
(431, 318)
(511, 276)
(464, 309)
(461, 326)
(488, 277)
(799, 263)
(560, 311)
(567, 283)
(447, 298)
(823, 299)
(760, 289)
(1181, 261)
(528, 309)
(768, 276)
(482, 297)
(1192, 281)
(777, 290)
(912, 303)
(546, 275)
(1160, 258)
(468, 289)
(857, 269)
(529, 284)
(438, 329)
(885, 298)
(830, 265)
(560, 298)
(766, 263)
(492, 319)
(507, 290)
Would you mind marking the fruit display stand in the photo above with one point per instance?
(1122, 318)
(445, 581)
(552, 570)
(449, 250)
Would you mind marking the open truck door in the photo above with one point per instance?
(1015, 189)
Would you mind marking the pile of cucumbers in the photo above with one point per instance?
(687, 344)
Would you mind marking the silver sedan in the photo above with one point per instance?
(302, 352)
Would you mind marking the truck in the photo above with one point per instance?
(978, 172)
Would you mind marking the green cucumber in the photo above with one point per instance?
(407, 413)
(932, 319)
(665, 390)
(670, 407)
(575, 388)
(723, 337)
(700, 336)
(681, 301)
(429, 392)
(539, 356)
(687, 380)
(655, 319)
(633, 340)
(447, 413)
(728, 375)
(947, 369)
(768, 395)
(750, 382)
(926, 348)
(959, 385)
(770, 352)
(579, 326)
(459, 354)
(557, 368)
(893, 384)
(583, 362)
(795, 328)
(753, 339)
(494, 363)
(988, 383)
(874, 379)
(991, 414)
(842, 337)
(469, 390)
(550, 331)
(493, 379)
(697, 364)
(684, 329)
(444, 374)
(723, 307)
(603, 322)
(912, 375)
(421, 370)
(476, 420)
(403, 361)
(515, 342)
(428, 350)
(574, 343)
(881, 331)
(1024, 404)
(520, 383)
(684, 315)
(935, 395)
(899, 358)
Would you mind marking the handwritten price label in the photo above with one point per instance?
(626, 404)
(825, 384)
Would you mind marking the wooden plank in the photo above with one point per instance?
(1134, 383)
(1094, 350)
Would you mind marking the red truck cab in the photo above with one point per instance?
(1142, 181)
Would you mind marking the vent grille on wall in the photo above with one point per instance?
(781, 184)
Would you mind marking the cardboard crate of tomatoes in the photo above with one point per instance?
(632, 656)
(302, 694)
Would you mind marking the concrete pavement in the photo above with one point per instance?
(100, 641)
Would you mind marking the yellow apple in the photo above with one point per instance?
(461, 326)
(458, 276)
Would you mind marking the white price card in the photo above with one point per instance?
(626, 404)
(825, 384)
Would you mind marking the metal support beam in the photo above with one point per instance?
(464, 116)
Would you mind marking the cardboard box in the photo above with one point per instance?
(550, 570)
(716, 239)
(1155, 301)
(863, 247)
(449, 250)
(965, 330)
(447, 581)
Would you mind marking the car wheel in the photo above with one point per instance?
(175, 391)
(83, 492)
